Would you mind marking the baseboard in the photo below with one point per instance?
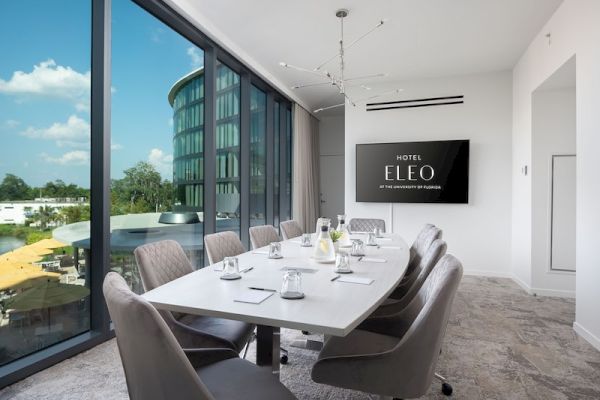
(530, 290)
(587, 335)
(483, 272)
(570, 294)
(522, 284)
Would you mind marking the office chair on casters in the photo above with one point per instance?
(400, 361)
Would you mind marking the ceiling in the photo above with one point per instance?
(421, 39)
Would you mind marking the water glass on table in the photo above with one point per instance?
(291, 287)
(231, 268)
(306, 240)
(342, 263)
(275, 250)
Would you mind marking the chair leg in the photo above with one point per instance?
(252, 339)
(446, 387)
(284, 356)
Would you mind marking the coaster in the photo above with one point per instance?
(343, 271)
(230, 277)
(292, 295)
(372, 244)
(275, 258)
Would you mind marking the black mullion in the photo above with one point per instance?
(245, 158)
(270, 173)
(100, 162)
(210, 152)
(283, 203)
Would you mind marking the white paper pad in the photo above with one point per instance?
(383, 238)
(300, 269)
(375, 260)
(390, 247)
(355, 279)
(261, 252)
(296, 241)
(253, 296)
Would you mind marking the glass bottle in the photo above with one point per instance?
(324, 251)
(344, 240)
(341, 220)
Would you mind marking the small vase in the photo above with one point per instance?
(336, 246)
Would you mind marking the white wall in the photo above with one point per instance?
(477, 233)
(575, 30)
(331, 150)
(553, 130)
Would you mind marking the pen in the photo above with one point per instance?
(247, 269)
(257, 288)
(335, 277)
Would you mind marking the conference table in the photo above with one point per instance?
(330, 307)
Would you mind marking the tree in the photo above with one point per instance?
(141, 190)
(72, 214)
(14, 188)
(45, 215)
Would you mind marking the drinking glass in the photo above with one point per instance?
(291, 287)
(306, 240)
(371, 239)
(358, 248)
(230, 266)
(275, 250)
(377, 232)
(342, 262)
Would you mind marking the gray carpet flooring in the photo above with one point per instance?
(500, 344)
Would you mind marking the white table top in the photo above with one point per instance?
(333, 308)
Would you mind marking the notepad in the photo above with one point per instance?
(261, 252)
(384, 238)
(375, 260)
(390, 247)
(355, 279)
(300, 269)
(253, 296)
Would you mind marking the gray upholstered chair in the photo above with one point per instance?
(261, 236)
(290, 229)
(401, 361)
(222, 244)
(157, 368)
(366, 224)
(164, 261)
(407, 290)
(428, 234)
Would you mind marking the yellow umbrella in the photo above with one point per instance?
(24, 278)
(20, 257)
(49, 244)
(34, 250)
(7, 267)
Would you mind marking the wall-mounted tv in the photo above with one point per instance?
(413, 172)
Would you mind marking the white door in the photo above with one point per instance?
(332, 186)
(563, 213)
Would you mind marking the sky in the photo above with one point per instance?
(45, 89)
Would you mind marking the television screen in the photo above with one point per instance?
(413, 172)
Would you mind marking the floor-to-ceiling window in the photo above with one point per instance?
(157, 137)
(258, 156)
(192, 130)
(44, 174)
(227, 141)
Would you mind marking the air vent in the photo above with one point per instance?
(428, 102)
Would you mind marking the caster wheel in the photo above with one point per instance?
(446, 389)
(305, 332)
(284, 360)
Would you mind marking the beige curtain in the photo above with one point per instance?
(305, 194)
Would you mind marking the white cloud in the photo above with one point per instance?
(196, 57)
(162, 162)
(50, 80)
(116, 146)
(11, 123)
(75, 132)
(77, 157)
